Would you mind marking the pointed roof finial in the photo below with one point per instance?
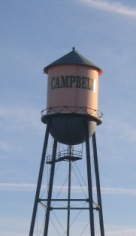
(73, 48)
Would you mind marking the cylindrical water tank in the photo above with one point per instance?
(72, 97)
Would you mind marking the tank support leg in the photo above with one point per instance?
(50, 189)
(98, 184)
(69, 193)
(89, 178)
(39, 180)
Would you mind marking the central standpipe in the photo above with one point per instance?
(71, 117)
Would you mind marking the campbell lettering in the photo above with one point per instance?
(71, 81)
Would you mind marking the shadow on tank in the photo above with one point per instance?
(70, 128)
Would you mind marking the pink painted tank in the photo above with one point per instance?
(72, 96)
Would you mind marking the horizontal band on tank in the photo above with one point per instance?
(90, 113)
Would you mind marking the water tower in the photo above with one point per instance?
(71, 118)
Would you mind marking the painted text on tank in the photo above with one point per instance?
(71, 81)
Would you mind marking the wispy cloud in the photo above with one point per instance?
(17, 187)
(4, 146)
(119, 191)
(31, 187)
(124, 129)
(115, 7)
(127, 232)
(11, 118)
(14, 124)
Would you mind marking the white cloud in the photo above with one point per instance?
(18, 117)
(32, 187)
(127, 232)
(15, 123)
(125, 130)
(119, 191)
(4, 146)
(13, 234)
(14, 225)
(17, 187)
(115, 7)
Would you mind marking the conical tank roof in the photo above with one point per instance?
(73, 57)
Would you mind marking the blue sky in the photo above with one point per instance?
(34, 34)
